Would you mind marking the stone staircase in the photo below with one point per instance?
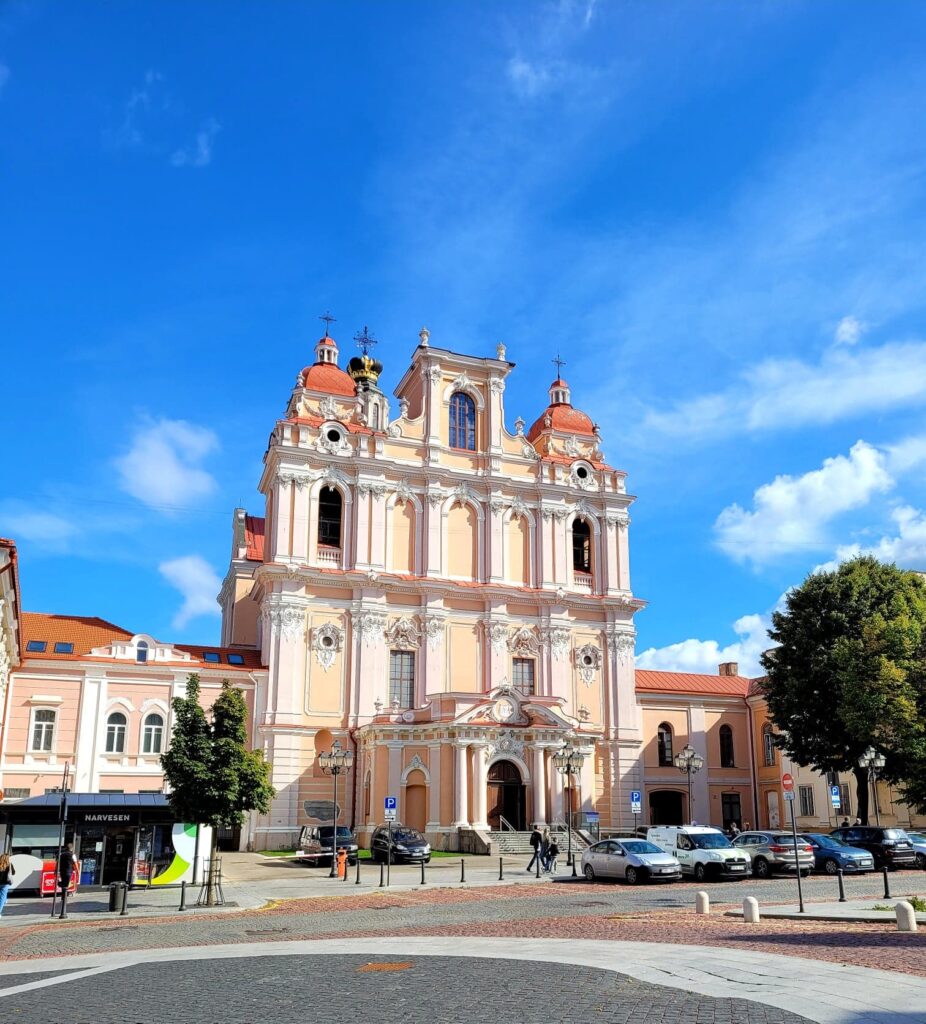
(512, 844)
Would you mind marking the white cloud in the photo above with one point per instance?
(790, 393)
(705, 655)
(849, 331)
(529, 78)
(45, 529)
(200, 154)
(790, 513)
(907, 548)
(130, 133)
(199, 584)
(162, 468)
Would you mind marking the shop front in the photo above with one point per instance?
(124, 837)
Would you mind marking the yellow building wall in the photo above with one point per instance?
(463, 668)
(461, 542)
(518, 550)
(402, 536)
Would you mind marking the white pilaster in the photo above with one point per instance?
(479, 786)
(539, 783)
(461, 786)
(434, 789)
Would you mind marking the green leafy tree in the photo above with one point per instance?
(849, 673)
(213, 778)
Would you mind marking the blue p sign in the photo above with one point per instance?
(389, 803)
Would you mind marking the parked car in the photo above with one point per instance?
(701, 851)
(634, 860)
(830, 854)
(773, 851)
(919, 847)
(315, 844)
(891, 847)
(408, 844)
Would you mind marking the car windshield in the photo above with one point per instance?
(640, 846)
(710, 841)
(894, 833)
(343, 830)
(781, 840)
(917, 837)
(829, 841)
(407, 835)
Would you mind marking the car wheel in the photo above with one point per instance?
(700, 872)
(589, 873)
(632, 876)
(830, 866)
(427, 859)
(761, 868)
(805, 872)
(921, 861)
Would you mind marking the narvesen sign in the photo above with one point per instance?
(108, 817)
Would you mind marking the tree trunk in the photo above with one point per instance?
(861, 793)
(211, 879)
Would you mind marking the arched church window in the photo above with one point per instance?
(664, 742)
(330, 514)
(581, 546)
(727, 759)
(462, 421)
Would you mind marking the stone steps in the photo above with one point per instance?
(512, 843)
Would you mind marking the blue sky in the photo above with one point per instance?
(715, 211)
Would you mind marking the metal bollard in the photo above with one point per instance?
(702, 903)
(462, 869)
(346, 866)
(501, 869)
(887, 884)
(906, 917)
(358, 870)
(422, 872)
(842, 886)
(751, 910)
(125, 904)
(382, 869)
(182, 896)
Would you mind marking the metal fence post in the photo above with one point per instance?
(842, 887)
(887, 884)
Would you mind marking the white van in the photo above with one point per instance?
(703, 852)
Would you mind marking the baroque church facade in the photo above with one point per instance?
(449, 599)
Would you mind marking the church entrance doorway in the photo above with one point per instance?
(666, 807)
(505, 796)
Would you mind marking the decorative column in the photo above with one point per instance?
(461, 785)
(556, 797)
(434, 788)
(539, 781)
(479, 786)
(495, 540)
(433, 527)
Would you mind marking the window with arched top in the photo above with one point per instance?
(141, 652)
(330, 516)
(152, 734)
(768, 746)
(43, 730)
(462, 421)
(581, 546)
(727, 758)
(664, 744)
(115, 733)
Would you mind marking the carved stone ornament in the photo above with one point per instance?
(518, 507)
(622, 642)
(588, 662)
(404, 633)
(415, 764)
(434, 627)
(583, 508)
(558, 639)
(403, 408)
(462, 494)
(328, 407)
(435, 374)
(500, 351)
(584, 482)
(327, 642)
(496, 385)
(403, 493)
(394, 430)
(435, 498)
(524, 641)
(371, 626)
(619, 519)
(462, 383)
(378, 706)
(572, 446)
(528, 451)
(584, 713)
(287, 620)
(424, 336)
(331, 475)
(507, 744)
(378, 490)
(504, 710)
(497, 635)
(338, 446)
(297, 478)
(519, 426)
(496, 507)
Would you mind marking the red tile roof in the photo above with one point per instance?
(254, 538)
(565, 419)
(328, 378)
(649, 681)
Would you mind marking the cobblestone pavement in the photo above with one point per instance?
(350, 989)
(605, 912)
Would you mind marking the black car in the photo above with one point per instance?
(408, 845)
(315, 844)
(891, 847)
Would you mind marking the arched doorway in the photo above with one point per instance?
(416, 801)
(505, 796)
(666, 807)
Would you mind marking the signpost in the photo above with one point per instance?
(636, 806)
(836, 797)
(787, 784)
(390, 811)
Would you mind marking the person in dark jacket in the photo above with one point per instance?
(535, 841)
(66, 862)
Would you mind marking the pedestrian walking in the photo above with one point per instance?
(845, 823)
(552, 854)
(734, 830)
(6, 879)
(544, 848)
(535, 840)
(66, 862)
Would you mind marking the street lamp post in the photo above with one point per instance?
(689, 761)
(333, 763)
(873, 760)
(568, 761)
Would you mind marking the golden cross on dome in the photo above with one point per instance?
(329, 320)
(364, 340)
(560, 363)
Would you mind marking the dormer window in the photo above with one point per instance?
(141, 652)
(462, 422)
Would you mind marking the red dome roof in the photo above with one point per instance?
(564, 419)
(328, 378)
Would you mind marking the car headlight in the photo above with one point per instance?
(715, 856)
(401, 848)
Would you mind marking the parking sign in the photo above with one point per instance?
(836, 797)
(636, 802)
(389, 807)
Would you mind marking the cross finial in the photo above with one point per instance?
(559, 363)
(364, 340)
(329, 320)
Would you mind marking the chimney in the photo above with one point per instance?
(728, 668)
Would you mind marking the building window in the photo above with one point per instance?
(212, 657)
(152, 736)
(141, 652)
(402, 678)
(115, 733)
(844, 801)
(43, 730)
(235, 659)
(805, 795)
(727, 760)
(664, 741)
(731, 809)
(330, 508)
(16, 793)
(523, 672)
(462, 421)
(64, 647)
(768, 746)
(36, 646)
(581, 546)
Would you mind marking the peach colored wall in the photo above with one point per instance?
(18, 740)
(652, 718)
(463, 661)
(518, 545)
(402, 525)
(447, 783)
(461, 542)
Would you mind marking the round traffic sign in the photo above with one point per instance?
(787, 782)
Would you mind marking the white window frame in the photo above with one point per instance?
(33, 749)
(144, 729)
(124, 726)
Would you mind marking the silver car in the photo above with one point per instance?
(774, 851)
(634, 860)
(919, 847)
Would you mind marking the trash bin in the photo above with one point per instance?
(117, 891)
